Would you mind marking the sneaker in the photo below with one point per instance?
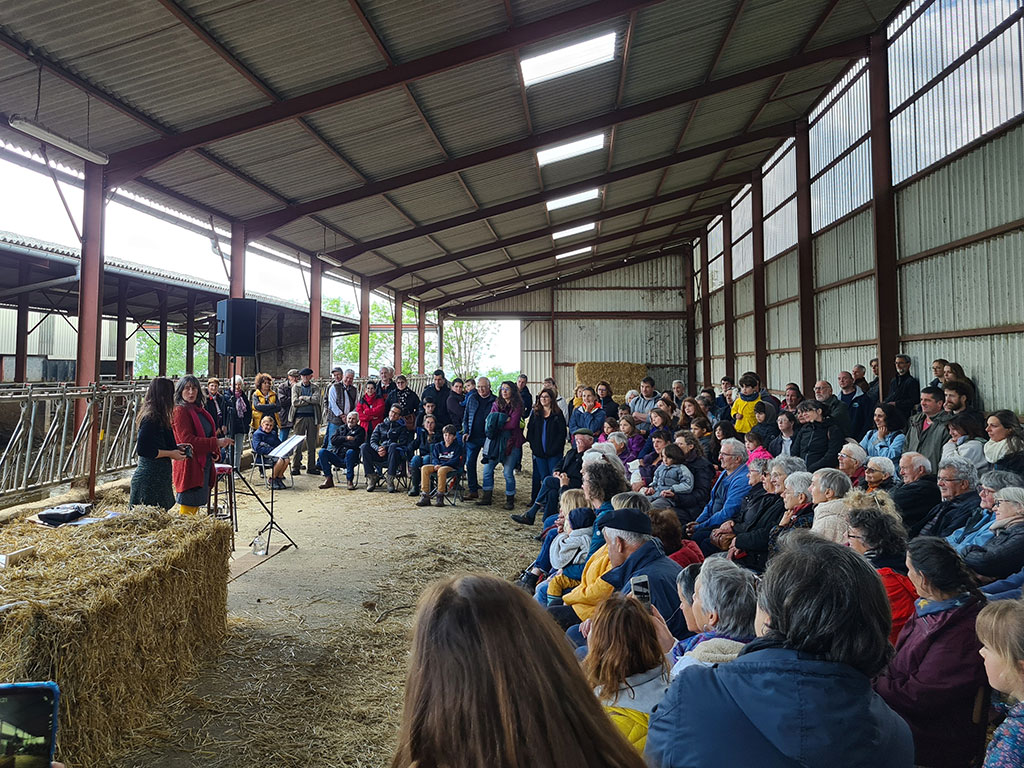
(390, 481)
(371, 483)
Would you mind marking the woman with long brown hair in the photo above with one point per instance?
(194, 427)
(151, 482)
(510, 404)
(479, 695)
(625, 664)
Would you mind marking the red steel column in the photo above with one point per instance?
(364, 327)
(884, 208)
(236, 288)
(87, 365)
(315, 312)
(691, 324)
(162, 298)
(21, 335)
(440, 340)
(421, 339)
(805, 258)
(705, 308)
(121, 345)
(757, 246)
(730, 303)
(397, 319)
(190, 331)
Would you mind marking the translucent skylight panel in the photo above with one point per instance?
(577, 252)
(579, 197)
(572, 58)
(570, 149)
(573, 231)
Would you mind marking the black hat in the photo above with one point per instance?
(337, 369)
(306, 372)
(626, 520)
(439, 372)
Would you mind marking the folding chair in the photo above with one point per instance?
(453, 490)
(263, 464)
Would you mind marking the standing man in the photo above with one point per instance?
(456, 404)
(474, 419)
(305, 418)
(437, 393)
(860, 410)
(284, 399)
(386, 384)
(873, 391)
(927, 431)
(406, 400)
(341, 401)
(834, 407)
(524, 394)
(859, 380)
(958, 397)
(904, 390)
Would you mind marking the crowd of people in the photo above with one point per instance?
(744, 579)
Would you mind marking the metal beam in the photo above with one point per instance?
(757, 279)
(90, 286)
(557, 267)
(21, 331)
(385, 277)
(884, 208)
(729, 310)
(315, 313)
(236, 290)
(364, 328)
(779, 131)
(421, 338)
(162, 343)
(691, 339)
(805, 259)
(121, 343)
(398, 329)
(848, 49)
(705, 308)
(129, 163)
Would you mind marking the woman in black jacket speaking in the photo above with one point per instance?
(545, 432)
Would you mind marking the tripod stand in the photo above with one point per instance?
(283, 451)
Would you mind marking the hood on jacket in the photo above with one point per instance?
(642, 691)
(717, 650)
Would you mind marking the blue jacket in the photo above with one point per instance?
(776, 708)
(598, 539)
(475, 416)
(726, 496)
(580, 419)
(264, 442)
(975, 532)
(1005, 589)
(650, 561)
(891, 447)
(423, 442)
(449, 456)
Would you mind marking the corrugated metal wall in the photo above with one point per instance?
(55, 339)
(535, 352)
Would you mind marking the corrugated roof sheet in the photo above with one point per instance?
(412, 30)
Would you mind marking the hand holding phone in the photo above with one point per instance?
(640, 587)
(28, 722)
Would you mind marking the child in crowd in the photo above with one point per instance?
(743, 406)
(1000, 627)
(571, 499)
(755, 447)
(643, 472)
(672, 477)
(634, 440)
(701, 429)
(610, 425)
(568, 548)
(767, 426)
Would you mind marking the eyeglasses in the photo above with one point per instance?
(854, 536)
(845, 456)
(871, 469)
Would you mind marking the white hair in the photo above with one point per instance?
(883, 465)
(348, 371)
(629, 538)
(618, 437)
(919, 461)
(855, 452)
(799, 483)
(737, 446)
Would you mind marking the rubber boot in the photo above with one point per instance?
(414, 490)
(486, 498)
(510, 501)
(528, 581)
(390, 480)
(424, 500)
(439, 501)
(327, 483)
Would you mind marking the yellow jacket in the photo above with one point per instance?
(592, 589)
(743, 414)
(632, 723)
(268, 399)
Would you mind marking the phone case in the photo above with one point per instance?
(54, 690)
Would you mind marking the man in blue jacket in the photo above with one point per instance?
(389, 444)
(474, 419)
(727, 493)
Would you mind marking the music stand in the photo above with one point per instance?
(283, 451)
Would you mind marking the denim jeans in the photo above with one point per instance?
(328, 458)
(395, 460)
(327, 437)
(472, 454)
(415, 464)
(542, 468)
(508, 467)
(283, 433)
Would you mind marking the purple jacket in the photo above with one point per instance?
(515, 432)
(634, 445)
(934, 681)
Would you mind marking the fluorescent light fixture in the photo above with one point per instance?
(573, 231)
(579, 197)
(572, 58)
(577, 252)
(44, 134)
(326, 257)
(570, 149)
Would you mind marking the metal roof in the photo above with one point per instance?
(399, 93)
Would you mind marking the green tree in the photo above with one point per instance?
(147, 356)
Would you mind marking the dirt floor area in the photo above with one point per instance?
(312, 672)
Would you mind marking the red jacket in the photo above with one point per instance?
(902, 596)
(189, 473)
(688, 554)
(934, 682)
(370, 413)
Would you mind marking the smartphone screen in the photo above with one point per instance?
(640, 586)
(27, 725)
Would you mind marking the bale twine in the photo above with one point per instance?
(116, 612)
(621, 376)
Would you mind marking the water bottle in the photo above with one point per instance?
(259, 546)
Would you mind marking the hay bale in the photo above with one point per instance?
(621, 376)
(116, 613)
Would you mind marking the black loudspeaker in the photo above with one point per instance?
(236, 327)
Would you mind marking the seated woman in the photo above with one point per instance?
(978, 528)
(753, 533)
(966, 439)
(671, 479)
(936, 677)
(1005, 447)
(475, 668)
(1003, 554)
(723, 607)
(635, 441)
(887, 438)
(690, 410)
(422, 445)
(822, 621)
(625, 665)
(782, 443)
(852, 459)
(644, 475)
(657, 420)
(879, 475)
(264, 440)
(796, 496)
(819, 439)
(828, 487)
(879, 535)
(690, 505)
(792, 398)
(1000, 629)
(955, 372)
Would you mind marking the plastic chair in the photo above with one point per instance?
(224, 473)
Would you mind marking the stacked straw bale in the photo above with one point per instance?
(117, 613)
(621, 376)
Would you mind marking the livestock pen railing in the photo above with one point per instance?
(56, 434)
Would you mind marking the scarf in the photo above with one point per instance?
(240, 405)
(995, 450)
